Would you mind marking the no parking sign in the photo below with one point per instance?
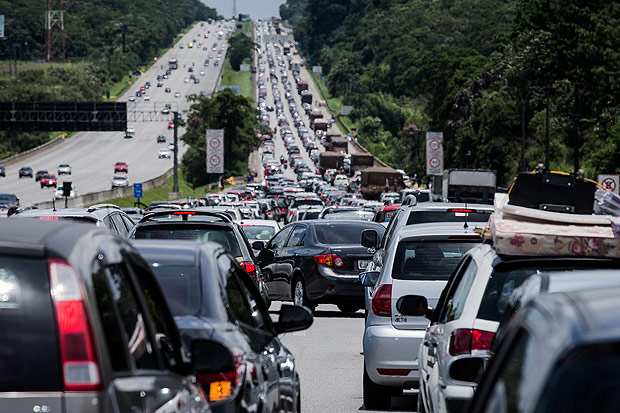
(215, 151)
(609, 182)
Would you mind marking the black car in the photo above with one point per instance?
(2, 171)
(39, 174)
(212, 297)
(193, 225)
(317, 261)
(85, 327)
(9, 200)
(25, 171)
(161, 139)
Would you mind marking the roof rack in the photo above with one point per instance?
(102, 206)
(185, 213)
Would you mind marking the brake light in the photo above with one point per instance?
(220, 386)
(284, 211)
(461, 210)
(290, 212)
(48, 218)
(464, 341)
(331, 260)
(393, 372)
(250, 268)
(382, 301)
(77, 351)
(184, 213)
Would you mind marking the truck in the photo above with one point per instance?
(301, 86)
(338, 144)
(330, 160)
(466, 185)
(362, 159)
(378, 179)
(296, 65)
(320, 124)
(286, 49)
(306, 97)
(315, 114)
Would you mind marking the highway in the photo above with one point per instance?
(92, 155)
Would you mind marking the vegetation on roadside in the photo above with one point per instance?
(477, 71)
(239, 78)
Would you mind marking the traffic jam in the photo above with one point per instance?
(474, 298)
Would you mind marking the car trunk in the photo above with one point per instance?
(431, 289)
(354, 257)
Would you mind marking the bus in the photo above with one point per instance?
(173, 64)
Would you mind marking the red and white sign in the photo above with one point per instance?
(610, 182)
(434, 153)
(215, 151)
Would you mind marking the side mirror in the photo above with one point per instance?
(413, 305)
(266, 256)
(209, 357)
(293, 318)
(258, 245)
(369, 278)
(370, 238)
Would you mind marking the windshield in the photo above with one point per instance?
(417, 260)
(222, 235)
(258, 232)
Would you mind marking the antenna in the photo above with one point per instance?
(465, 226)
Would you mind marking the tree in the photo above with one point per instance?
(241, 48)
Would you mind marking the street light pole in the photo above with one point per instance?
(175, 186)
(547, 120)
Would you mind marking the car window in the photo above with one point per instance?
(297, 237)
(133, 320)
(504, 397)
(499, 288)
(258, 232)
(119, 224)
(280, 239)
(129, 224)
(29, 353)
(456, 304)
(107, 221)
(426, 260)
(349, 233)
(391, 227)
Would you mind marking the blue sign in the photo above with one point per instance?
(137, 191)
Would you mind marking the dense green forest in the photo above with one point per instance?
(479, 71)
(105, 41)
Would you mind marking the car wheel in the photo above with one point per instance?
(348, 307)
(376, 397)
(299, 295)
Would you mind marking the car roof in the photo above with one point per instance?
(436, 229)
(431, 206)
(269, 222)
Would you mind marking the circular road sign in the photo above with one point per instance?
(609, 184)
(215, 142)
(434, 145)
(214, 160)
(434, 162)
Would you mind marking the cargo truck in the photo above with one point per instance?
(377, 179)
(466, 185)
(330, 160)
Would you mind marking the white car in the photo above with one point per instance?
(341, 180)
(119, 181)
(64, 169)
(132, 98)
(59, 192)
(177, 94)
(202, 73)
(147, 97)
(164, 153)
(186, 80)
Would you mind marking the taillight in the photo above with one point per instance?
(77, 351)
(464, 341)
(284, 211)
(331, 260)
(382, 301)
(221, 386)
(250, 268)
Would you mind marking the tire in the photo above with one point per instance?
(347, 307)
(299, 294)
(376, 397)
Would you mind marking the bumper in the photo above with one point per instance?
(388, 348)
(331, 287)
(456, 398)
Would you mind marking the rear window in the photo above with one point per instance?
(343, 234)
(313, 202)
(417, 260)
(363, 215)
(222, 235)
(28, 341)
(181, 287)
(448, 215)
(384, 216)
(258, 232)
(305, 215)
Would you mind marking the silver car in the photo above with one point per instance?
(64, 168)
(420, 261)
(119, 181)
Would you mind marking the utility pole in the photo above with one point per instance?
(577, 138)
(234, 9)
(55, 31)
(547, 120)
(175, 186)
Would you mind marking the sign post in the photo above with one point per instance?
(610, 182)
(434, 153)
(137, 191)
(215, 151)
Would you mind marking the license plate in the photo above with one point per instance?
(362, 264)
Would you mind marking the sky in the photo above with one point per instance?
(257, 9)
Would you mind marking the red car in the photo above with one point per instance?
(121, 167)
(170, 125)
(48, 180)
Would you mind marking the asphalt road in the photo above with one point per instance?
(92, 154)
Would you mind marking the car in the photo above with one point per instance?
(314, 262)
(202, 225)
(202, 73)
(9, 200)
(558, 354)
(60, 192)
(171, 146)
(121, 167)
(97, 329)
(165, 110)
(177, 94)
(167, 90)
(64, 169)
(190, 69)
(39, 174)
(2, 171)
(48, 180)
(216, 63)
(147, 98)
(259, 229)
(186, 80)
(171, 125)
(199, 281)
(420, 261)
(132, 98)
(181, 47)
(119, 181)
(160, 83)
(341, 180)
(25, 171)
(138, 93)
(161, 139)
(163, 153)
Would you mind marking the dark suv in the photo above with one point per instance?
(106, 215)
(195, 225)
(85, 327)
(25, 171)
(211, 296)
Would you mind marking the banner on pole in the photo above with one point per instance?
(434, 153)
(215, 151)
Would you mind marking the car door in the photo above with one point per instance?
(290, 256)
(270, 266)
(140, 345)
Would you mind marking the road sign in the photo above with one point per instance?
(346, 110)
(1, 26)
(215, 151)
(317, 69)
(137, 190)
(610, 182)
(434, 153)
(244, 67)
